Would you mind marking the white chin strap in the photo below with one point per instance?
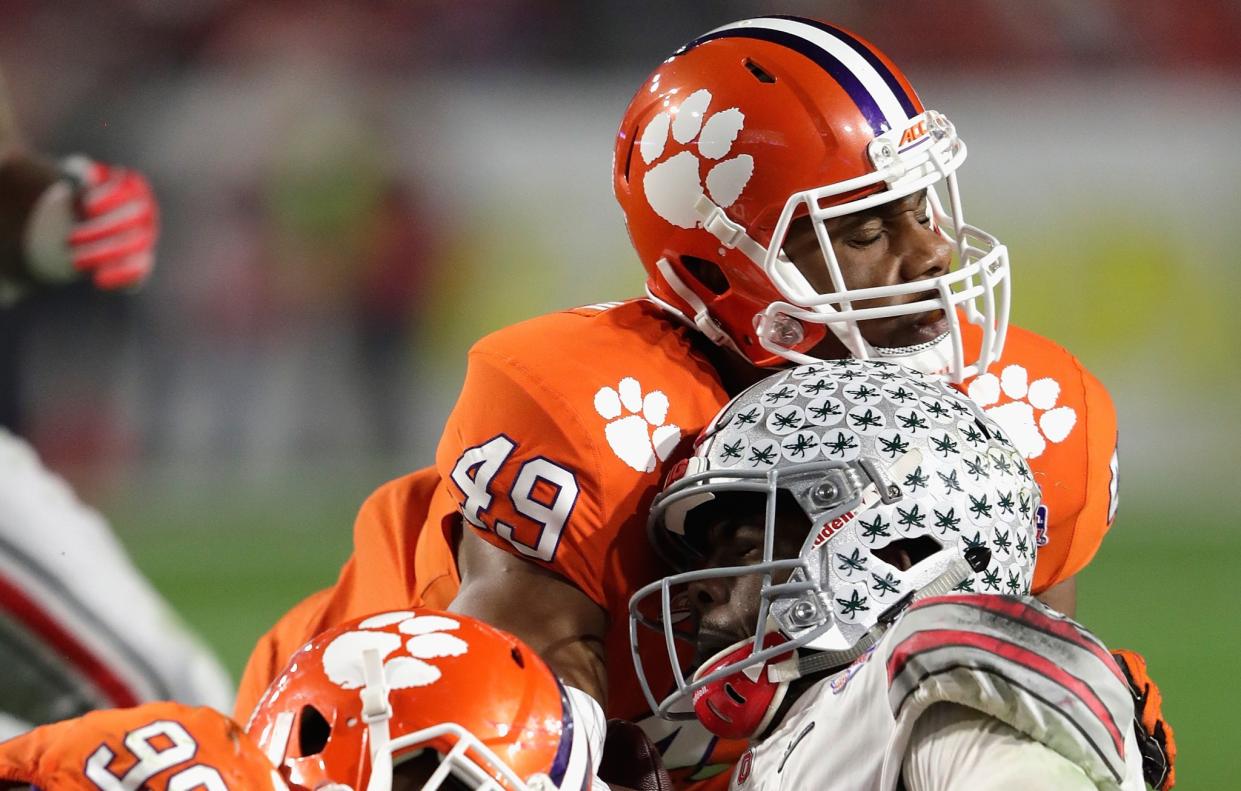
(702, 319)
(376, 711)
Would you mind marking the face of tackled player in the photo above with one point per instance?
(728, 533)
(887, 245)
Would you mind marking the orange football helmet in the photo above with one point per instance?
(764, 121)
(364, 697)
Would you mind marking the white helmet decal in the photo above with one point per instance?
(342, 659)
(675, 185)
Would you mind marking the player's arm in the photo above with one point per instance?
(539, 523)
(953, 747)
(556, 619)
(23, 178)
(1062, 596)
(550, 614)
(63, 220)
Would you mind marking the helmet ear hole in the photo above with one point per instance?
(313, 731)
(706, 272)
(633, 143)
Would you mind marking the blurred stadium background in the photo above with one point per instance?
(353, 192)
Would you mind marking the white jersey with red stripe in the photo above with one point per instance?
(80, 628)
(1014, 660)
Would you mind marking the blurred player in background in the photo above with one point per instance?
(866, 626)
(159, 746)
(79, 627)
(791, 200)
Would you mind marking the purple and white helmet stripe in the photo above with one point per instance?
(907, 100)
(872, 86)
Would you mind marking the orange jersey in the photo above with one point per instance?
(563, 432)
(155, 746)
(568, 423)
(1062, 420)
(561, 438)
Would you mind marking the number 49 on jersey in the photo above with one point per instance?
(542, 492)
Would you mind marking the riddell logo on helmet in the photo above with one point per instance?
(913, 133)
(830, 528)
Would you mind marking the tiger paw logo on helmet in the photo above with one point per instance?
(422, 637)
(674, 185)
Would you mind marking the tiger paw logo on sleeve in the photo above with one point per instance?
(1027, 411)
(636, 429)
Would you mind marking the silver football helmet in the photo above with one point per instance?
(873, 454)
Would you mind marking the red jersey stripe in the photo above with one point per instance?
(1021, 612)
(37, 620)
(929, 640)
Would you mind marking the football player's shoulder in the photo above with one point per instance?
(563, 373)
(1037, 379)
(1062, 419)
(204, 721)
(1040, 357)
(628, 338)
(1016, 660)
(561, 430)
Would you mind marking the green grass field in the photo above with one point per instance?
(1163, 586)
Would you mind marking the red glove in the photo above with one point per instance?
(117, 224)
(1155, 737)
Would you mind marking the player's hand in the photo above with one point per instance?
(1155, 737)
(631, 761)
(116, 226)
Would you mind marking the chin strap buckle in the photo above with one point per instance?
(717, 223)
(702, 318)
(374, 693)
